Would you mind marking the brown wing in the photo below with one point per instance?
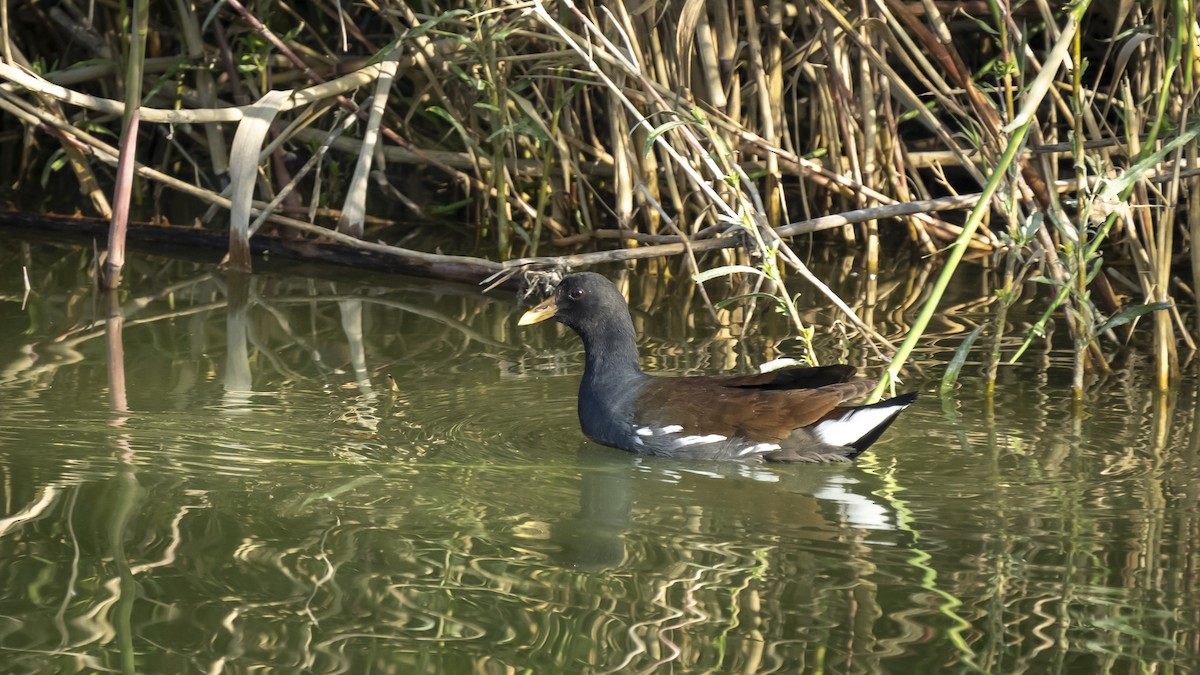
(709, 405)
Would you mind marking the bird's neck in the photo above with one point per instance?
(611, 355)
(610, 385)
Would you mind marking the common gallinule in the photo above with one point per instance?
(788, 415)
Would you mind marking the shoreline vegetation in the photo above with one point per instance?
(1054, 139)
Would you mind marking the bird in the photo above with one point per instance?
(794, 414)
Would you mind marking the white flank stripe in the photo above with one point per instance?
(651, 431)
(776, 364)
(853, 425)
(758, 448)
(683, 441)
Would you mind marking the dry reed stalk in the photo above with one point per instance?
(870, 144)
(835, 106)
(338, 128)
(75, 155)
(773, 124)
(139, 26)
(205, 85)
(122, 193)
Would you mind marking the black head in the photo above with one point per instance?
(586, 302)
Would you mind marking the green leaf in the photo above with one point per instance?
(462, 74)
(662, 129)
(502, 34)
(379, 55)
(441, 112)
(1130, 313)
(420, 30)
(1115, 188)
(291, 34)
(57, 161)
(982, 25)
(1031, 226)
(725, 271)
(954, 368)
(521, 232)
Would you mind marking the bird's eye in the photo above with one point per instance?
(575, 293)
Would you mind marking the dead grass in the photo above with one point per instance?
(680, 124)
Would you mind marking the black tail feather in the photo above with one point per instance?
(899, 403)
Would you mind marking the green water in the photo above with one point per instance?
(214, 475)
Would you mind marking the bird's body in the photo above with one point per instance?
(788, 415)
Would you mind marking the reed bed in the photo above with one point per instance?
(1053, 139)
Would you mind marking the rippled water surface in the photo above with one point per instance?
(210, 474)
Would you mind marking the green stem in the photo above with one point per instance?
(957, 250)
(1165, 92)
(1018, 129)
